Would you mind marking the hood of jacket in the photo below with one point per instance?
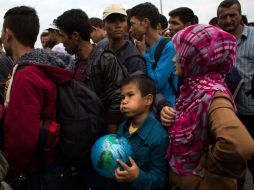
(57, 66)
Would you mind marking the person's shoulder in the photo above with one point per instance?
(107, 55)
(5, 61)
(101, 56)
(168, 48)
(169, 44)
(59, 48)
(32, 73)
(130, 44)
(250, 28)
(157, 131)
(122, 127)
(221, 100)
(249, 32)
(103, 43)
(29, 76)
(23, 69)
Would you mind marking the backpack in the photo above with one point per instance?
(80, 115)
(157, 55)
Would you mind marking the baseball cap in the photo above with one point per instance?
(112, 9)
(52, 27)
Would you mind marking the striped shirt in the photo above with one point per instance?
(245, 66)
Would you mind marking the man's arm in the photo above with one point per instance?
(233, 145)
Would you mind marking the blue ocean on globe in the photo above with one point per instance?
(107, 150)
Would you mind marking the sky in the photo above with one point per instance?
(48, 10)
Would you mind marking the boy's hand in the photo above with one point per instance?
(167, 116)
(129, 174)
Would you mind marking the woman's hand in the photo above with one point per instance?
(167, 116)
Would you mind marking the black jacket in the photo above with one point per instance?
(104, 75)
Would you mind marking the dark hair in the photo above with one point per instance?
(44, 34)
(75, 20)
(229, 3)
(214, 21)
(245, 20)
(146, 10)
(196, 20)
(96, 22)
(145, 84)
(128, 11)
(24, 23)
(251, 23)
(185, 14)
(163, 22)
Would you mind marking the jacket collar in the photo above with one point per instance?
(145, 128)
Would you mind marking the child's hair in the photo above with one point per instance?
(145, 84)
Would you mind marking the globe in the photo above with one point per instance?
(106, 151)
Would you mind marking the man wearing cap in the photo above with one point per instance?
(115, 22)
(55, 38)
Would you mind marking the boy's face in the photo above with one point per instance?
(133, 104)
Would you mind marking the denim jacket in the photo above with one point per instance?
(149, 144)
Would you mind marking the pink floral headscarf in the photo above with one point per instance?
(204, 53)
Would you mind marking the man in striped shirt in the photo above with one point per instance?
(230, 20)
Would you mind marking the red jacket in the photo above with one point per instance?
(32, 101)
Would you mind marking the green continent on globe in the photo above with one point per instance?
(112, 140)
(106, 160)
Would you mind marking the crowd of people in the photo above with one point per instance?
(180, 92)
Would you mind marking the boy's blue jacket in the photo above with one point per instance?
(149, 144)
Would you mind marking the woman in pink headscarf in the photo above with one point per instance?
(208, 144)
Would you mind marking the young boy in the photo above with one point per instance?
(148, 138)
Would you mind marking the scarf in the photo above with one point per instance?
(204, 53)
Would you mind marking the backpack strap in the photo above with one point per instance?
(159, 50)
(7, 98)
(157, 56)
